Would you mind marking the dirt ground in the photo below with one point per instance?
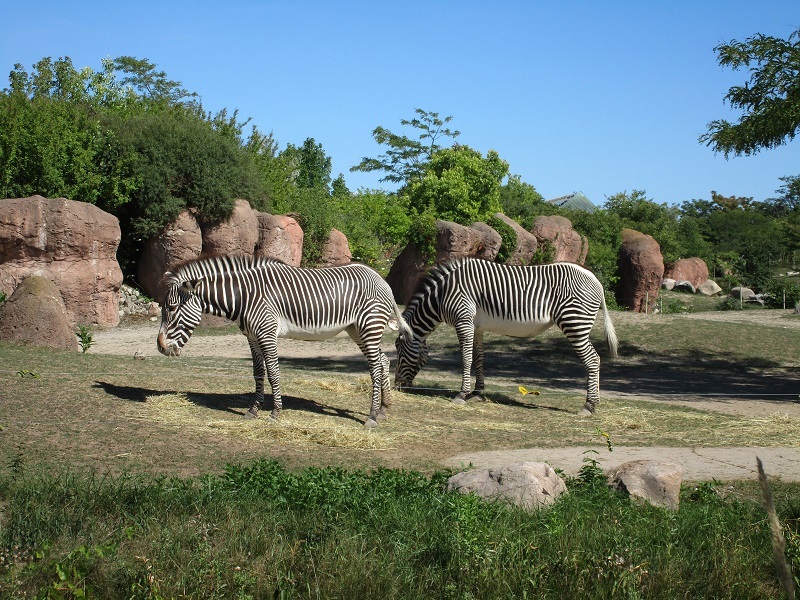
(137, 336)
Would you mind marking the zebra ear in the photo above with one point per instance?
(190, 286)
(393, 325)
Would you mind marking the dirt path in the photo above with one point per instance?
(138, 336)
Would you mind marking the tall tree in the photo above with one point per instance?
(406, 157)
(770, 99)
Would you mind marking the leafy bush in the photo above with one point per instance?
(508, 238)
(780, 292)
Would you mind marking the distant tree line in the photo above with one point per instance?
(140, 146)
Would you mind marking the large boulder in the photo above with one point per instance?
(335, 250)
(693, 270)
(279, 236)
(490, 242)
(557, 231)
(641, 271)
(180, 241)
(235, 236)
(656, 482)
(527, 243)
(530, 485)
(72, 243)
(35, 314)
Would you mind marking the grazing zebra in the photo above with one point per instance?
(519, 301)
(269, 299)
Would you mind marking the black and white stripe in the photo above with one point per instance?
(269, 299)
(519, 301)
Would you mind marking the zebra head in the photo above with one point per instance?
(180, 314)
(412, 355)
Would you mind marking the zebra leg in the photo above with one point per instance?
(466, 335)
(386, 388)
(591, 360)
(258, 375)
(477, 360)
(370, 345)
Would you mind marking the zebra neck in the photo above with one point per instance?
(423, 321)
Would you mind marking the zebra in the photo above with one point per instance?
(269, 299)
(476, 296)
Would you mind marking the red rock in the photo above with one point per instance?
(279, 236)
(641, 270)
(74, 244)
(336, 250)
(526, 242)
(35, 314)
(236, 236)
(693, 270)
(180, 241)
(568, 244)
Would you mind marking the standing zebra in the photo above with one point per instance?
(519, 301)
(269, 299)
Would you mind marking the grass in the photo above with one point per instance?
(260, 530)
(140, 478)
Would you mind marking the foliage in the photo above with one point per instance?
(406, 158)
(769, 99)
(521, 201)
(85, 338)
(459, 185)
(780, 292)
(508, 238)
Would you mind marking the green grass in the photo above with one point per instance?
(259, 530)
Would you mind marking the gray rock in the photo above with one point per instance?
(742, 293)
(709, 288)
(685, 286)
(668, 284)
(656, 482)
(529, 485)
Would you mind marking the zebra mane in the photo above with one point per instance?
(200, 268)
(435, 275)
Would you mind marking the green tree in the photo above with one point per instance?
(637, 212)
(521, 201)
(770, 99)
(312, 165)
(406, 158)
(459, 185)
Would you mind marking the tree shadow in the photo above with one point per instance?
(237, 404)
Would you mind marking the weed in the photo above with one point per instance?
(85, 337)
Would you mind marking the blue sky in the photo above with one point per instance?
(598, 97)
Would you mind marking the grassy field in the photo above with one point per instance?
(140, 478)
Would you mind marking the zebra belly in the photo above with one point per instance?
(510, 327)
(292, 331)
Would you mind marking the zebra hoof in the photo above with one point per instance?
(251, 414)
(585, 412)
(382, 416)
(476, 395)
(274, 416)
(370, 423)
(460, 399)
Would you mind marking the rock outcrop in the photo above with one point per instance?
(527, 243)
(557, 232)
(36, 314)
(180, 241)
(335, 250)
(235, 236)
(641, 270)
(74, 244)
(279, 236)
(693, 270)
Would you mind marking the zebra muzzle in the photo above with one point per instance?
(166, 349)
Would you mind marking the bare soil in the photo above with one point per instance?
(750, 391)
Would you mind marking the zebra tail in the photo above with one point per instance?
(611, 334)
(405, 329)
